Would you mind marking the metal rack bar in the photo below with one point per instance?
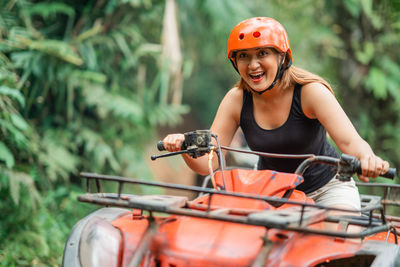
(270, 200)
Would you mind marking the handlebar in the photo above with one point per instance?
(390, 174)
(354, 166)
(160, 146)
(346, 166)
(197, 143)
(199, 139)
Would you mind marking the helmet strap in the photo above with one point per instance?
(234, 65)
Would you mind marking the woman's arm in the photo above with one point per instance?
(319, 103)
(225, 124)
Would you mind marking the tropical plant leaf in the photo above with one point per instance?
(353, 6)
(78, 76)
(367, 54)
(49, 10)
(19, 122)
(18, 136)
(17, 180)
(95, 145)
(6, 155)
(14, 93)
(367, 6)
(92, 32)
(55, 48)
(376, 82)
(107, 103)
(58, 160)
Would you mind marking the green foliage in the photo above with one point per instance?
(6, 156)
(373, 81)
(205, 27)
(71, 100)
(36, 236)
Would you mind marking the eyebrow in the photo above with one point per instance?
(257, 48)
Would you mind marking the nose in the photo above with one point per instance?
(254, 63)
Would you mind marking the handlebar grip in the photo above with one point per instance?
(390, 174)
(160, 146)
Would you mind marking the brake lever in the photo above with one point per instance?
(154, 157)
(193, 151)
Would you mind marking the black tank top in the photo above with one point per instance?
(298, 135)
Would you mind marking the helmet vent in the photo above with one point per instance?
(241, 36)
(256, 34)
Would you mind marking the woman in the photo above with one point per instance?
(284, 109)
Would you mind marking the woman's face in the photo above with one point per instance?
(258, 66)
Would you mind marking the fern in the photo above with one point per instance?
(18, 138)
(55, 155)
(14, 93)
(96, 148)
(107, 103)
(59, 49)
(167, 115)
(77, 77)
(70, 101)
(50, 10)
(18, 179)
(6, 156)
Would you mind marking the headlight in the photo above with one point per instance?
(100, 244)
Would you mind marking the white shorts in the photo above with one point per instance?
(337, 193)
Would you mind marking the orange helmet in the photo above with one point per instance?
(259, 32)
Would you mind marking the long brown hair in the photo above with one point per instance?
(293, 75)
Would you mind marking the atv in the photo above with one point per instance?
(247, 218)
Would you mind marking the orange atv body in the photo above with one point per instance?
(248, 225)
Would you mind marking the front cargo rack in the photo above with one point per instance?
(298, 218)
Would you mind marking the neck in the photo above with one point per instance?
(275, 95)
(276, 91)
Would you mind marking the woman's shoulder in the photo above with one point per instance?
(235, 93)
(232, 102)
(315, 90)
(313, 85)
(234, 96)
(314, 94)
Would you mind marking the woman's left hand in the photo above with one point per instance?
(372, 166)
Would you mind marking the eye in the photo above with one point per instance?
(242, 55)
(263, 53)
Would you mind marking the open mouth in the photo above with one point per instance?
(257, 77)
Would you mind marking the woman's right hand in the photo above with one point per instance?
(173, 142)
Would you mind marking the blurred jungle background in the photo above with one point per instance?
(91, 85)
